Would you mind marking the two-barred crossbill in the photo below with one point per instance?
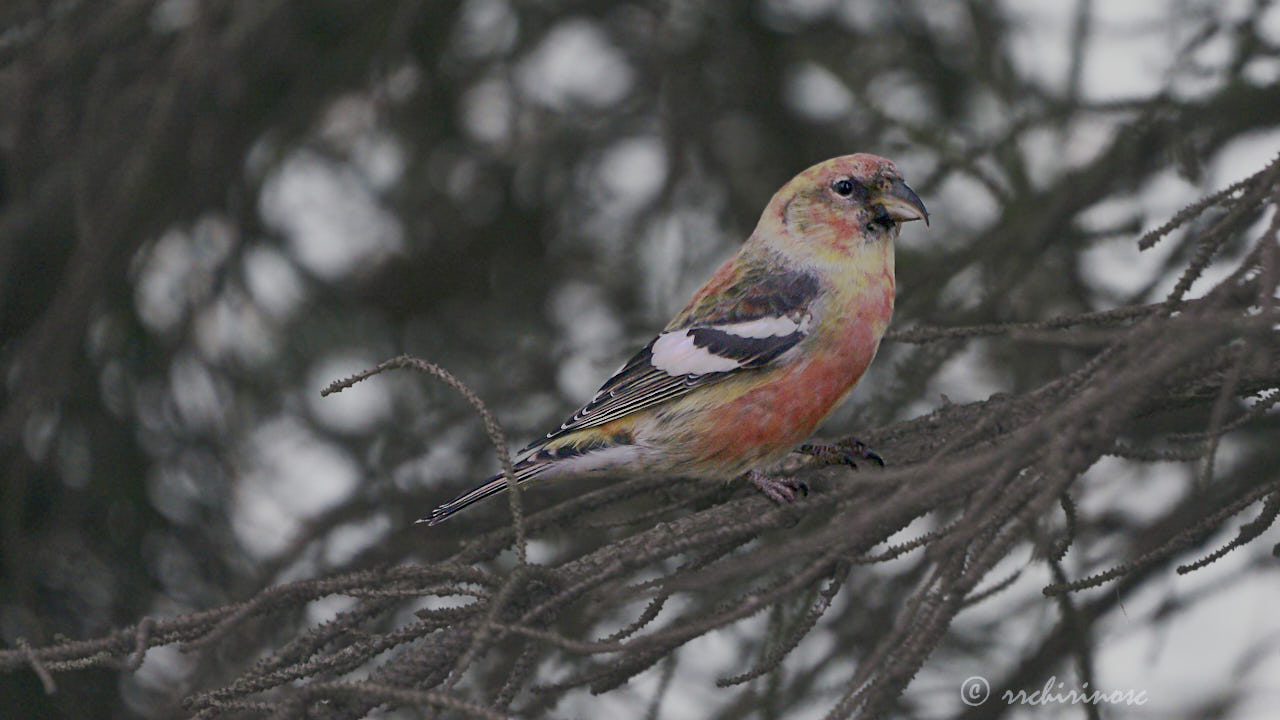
(762, 353)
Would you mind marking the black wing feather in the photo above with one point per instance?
(639, 385)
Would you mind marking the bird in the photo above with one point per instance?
(763, 352)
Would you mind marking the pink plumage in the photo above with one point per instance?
(762, 353)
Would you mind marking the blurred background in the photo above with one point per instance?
(210, 209)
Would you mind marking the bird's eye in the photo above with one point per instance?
(843, 188)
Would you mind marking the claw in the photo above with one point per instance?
(859, 449)
(781, 490)
(845, 452)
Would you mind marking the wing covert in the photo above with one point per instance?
(762, 320)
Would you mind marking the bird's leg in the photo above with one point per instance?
(845, 452)
(778, 489)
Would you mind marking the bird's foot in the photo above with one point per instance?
(779, 489)
(846, 452)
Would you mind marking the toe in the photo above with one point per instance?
(857, 450)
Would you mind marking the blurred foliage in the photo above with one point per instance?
(210, 209)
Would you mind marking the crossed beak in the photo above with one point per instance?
(901, 203)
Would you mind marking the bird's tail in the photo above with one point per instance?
(580, 453)
(492, 486)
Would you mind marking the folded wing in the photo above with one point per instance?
(759, 322)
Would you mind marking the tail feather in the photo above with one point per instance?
(568, 456)
(492, 486)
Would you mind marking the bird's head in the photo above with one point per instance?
(848, 200)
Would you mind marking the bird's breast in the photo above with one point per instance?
(759, 420)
